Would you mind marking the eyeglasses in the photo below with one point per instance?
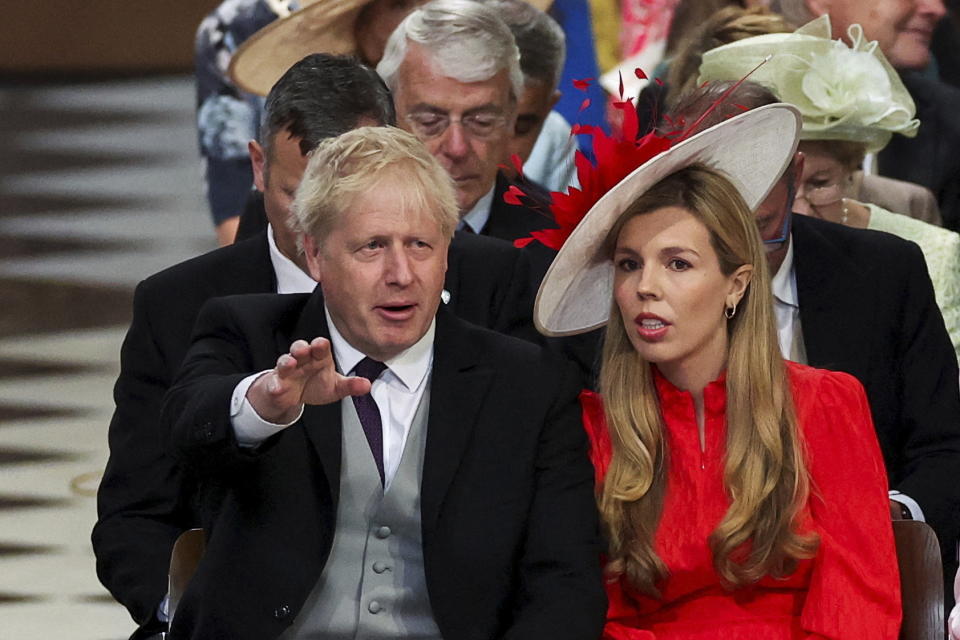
(428, 124)
(774, 243)
(823, 196)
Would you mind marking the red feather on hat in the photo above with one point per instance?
(617, 156)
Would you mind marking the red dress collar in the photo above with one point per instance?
(674, 400)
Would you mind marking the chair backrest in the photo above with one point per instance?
(186, 554)
(921, 580)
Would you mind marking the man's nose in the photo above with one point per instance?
(454, 142)
(934, 8)
(800, 204)
(399, 270)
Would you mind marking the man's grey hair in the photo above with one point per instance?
(794, 11)
(465, 39)
(344, 168)
(541, 41)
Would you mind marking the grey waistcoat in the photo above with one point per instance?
(373, 585)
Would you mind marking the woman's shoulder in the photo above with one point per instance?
(936, 242)
(805, 376)
(822, 384)
(829, 403)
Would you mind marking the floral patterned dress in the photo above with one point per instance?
(941, 250)
(227, 118)
(850, 589)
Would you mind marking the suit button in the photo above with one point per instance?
(380, 567)
(374, 607)
(383, 532)
(281, 612)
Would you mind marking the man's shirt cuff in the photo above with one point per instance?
(249, 428)
(915, 511)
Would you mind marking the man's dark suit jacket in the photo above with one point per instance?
(931, 158)
(146, 500)
(509, 521)
(867, 308)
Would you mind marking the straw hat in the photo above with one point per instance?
(843, 92)
(752, 150)
(320, 26)
(323, 26)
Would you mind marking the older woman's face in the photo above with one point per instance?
(902, 27)
(671, 292)
(824, 182)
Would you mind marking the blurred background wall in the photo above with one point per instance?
(99, 36)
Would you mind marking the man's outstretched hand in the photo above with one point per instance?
(305, 375)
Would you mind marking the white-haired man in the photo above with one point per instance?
(450, 497)
(453, 67)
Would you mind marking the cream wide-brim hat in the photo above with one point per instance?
(322, 26)
(752, 150)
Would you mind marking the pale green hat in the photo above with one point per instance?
(843, 93)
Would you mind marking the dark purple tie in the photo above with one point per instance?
(368, 411)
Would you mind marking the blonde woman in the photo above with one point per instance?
(742, 496)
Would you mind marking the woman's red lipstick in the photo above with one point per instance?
(650, 327)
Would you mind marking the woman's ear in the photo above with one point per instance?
(739, 281)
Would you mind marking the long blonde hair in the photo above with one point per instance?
(764, 471)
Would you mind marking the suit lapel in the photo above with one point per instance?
(322, 424)
(458, 386)
(827, 299)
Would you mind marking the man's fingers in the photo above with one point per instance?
(352, 386)
(320, 349)
(308, 373)
(286, 365)
(305, 358)
(300, 350)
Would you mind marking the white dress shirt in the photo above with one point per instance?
(786, 304)
(290, 277)
(786, 307)
(478, 216)
(397, 392)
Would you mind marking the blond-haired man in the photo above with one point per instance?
(386, 469)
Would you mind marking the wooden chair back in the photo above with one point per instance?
(186, 554)
(921, 580)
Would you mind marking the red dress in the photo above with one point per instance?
(850, 589)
